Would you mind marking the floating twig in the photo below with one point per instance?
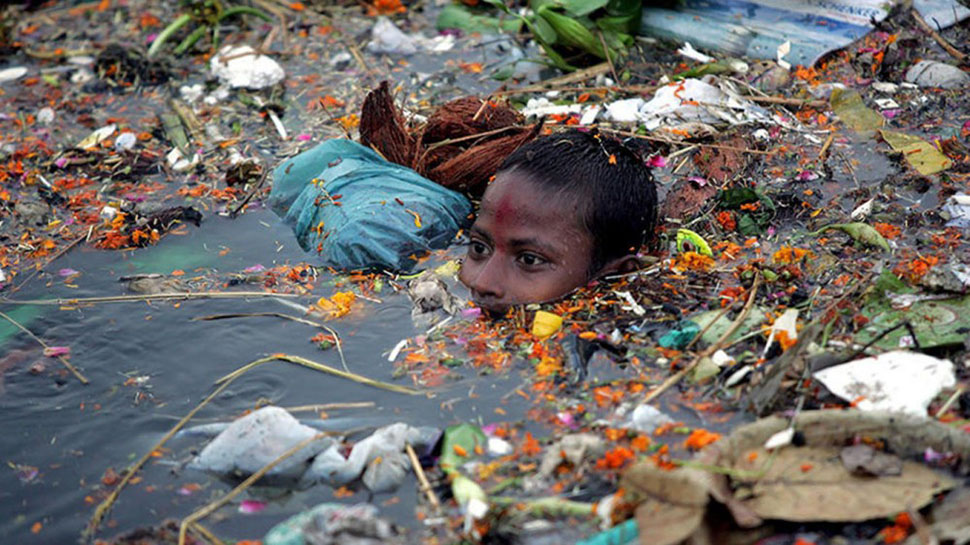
(62, 359)
(106, 504)
(206, 533)
(61, 301)
(53, 258)
(216, 504)
(947, 46)
(824, 152)
(422, 478)
(573, 77)
(675, 142)
(337, 342)
(331, 406)
(223, 383)
(252, 193)
(676, 377)
(548, 506)
(949, 402)
(320, 367)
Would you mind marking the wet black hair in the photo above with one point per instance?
(615, 188)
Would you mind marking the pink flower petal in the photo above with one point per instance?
(55, 351)
(251, 506)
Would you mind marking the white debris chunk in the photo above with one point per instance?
(897, 381)
(257, 439)
(242, 66)
(12, 74)
(98, 136)
(541, 107)
(693, 54)
(624, 111)
(937, 74)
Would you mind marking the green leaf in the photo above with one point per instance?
(460, 17)
(851, 110)
(749, 223)
(921, 155)
(544, 31)
(625, 7)
(500, 5)
(465, 437)
(579, 8)
(465, 490)
(863, 233)
(504, 72)
(748, 226)
(700, 245)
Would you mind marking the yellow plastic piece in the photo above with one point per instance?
(546, 324)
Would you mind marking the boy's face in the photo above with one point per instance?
(527, 245)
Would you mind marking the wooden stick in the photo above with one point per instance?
(213, 506)
(609, 61)
(708, 326)
(574, 77)
(675, 142)
(206, 533)
(949, 402)
(252, 193)
(62, 359)
(60, 301)
(331, 406)
(329, 330)
(947, 46)
(422, 478)
(823, 153)
(320, 367)
(106, 504)
(785, 101)
(676, 377)
(53, 258)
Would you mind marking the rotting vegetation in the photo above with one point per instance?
(822, 232)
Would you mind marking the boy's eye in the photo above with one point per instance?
(532, 260)
(477, 249)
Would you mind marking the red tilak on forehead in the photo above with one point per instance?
(505, 208)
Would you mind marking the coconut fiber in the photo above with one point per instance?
(460, 146)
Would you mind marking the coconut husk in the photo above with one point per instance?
(457, 118)
(471, 169)
(382, 127)
(460, 146)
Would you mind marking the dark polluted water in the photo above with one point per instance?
(72, 433)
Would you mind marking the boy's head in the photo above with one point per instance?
(563, 209)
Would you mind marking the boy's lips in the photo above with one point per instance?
(490, 305)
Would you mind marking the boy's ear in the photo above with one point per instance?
(621, 265)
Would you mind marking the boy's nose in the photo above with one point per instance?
(488, 282)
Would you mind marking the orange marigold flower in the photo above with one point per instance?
(386, 7)
(640, 443)
(530, 447)
(615, 458)
(699, 439)
(787, 255)
(887, 230)
(548, 366)
(727, 221)
(915, 269)
(693, 261)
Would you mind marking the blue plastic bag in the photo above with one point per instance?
(387, 213)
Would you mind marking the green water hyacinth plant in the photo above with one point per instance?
(570, 31)
(206, 15)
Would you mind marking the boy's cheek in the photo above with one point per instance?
(465, 273)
